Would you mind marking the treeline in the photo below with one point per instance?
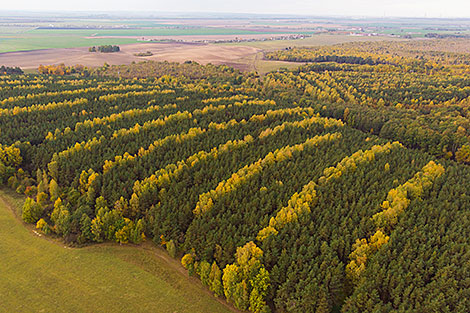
(105, 49)
(6, 70)
(293, 57)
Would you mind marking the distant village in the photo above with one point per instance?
(234, 40)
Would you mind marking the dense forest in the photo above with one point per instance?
(340, 186)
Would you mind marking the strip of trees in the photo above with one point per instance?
(105, 49)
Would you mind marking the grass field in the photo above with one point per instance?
(24, 39)
(45, 42)
(158, 31)
(38, 274)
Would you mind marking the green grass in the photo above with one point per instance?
(24, 39)
(38, 274)
(48, 42)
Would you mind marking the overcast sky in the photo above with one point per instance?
(408, 8)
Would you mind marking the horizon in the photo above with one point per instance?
(147, 14)
(452, 9)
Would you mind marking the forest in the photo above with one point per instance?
(339, 186)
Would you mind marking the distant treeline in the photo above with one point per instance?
(437, 35)
(295, 55)
(5, 70)
(345, 59)
(105, 49)
(85, 28)
(144, 54)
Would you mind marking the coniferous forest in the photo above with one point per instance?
(339, 186)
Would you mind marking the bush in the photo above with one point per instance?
(188, 263)
(171, 248)
(21, 189)
(42, 225)
(13, 182)
(32, 211)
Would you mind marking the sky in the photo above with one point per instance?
(378, 8)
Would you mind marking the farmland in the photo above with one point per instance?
(28, 41)
(36, 39)
(24, 36)
(174, 52)
(246, 56)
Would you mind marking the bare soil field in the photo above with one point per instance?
(172, 52)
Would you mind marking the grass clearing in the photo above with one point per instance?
(41, 275)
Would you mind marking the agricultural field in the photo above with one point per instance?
(246, 56)
(46, 38)
(341, 185)
(25, 34)
(29, 41)
(164, 51)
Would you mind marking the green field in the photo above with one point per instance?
(163, 31)
(25, 38)
(41, 275)
(45, 42)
